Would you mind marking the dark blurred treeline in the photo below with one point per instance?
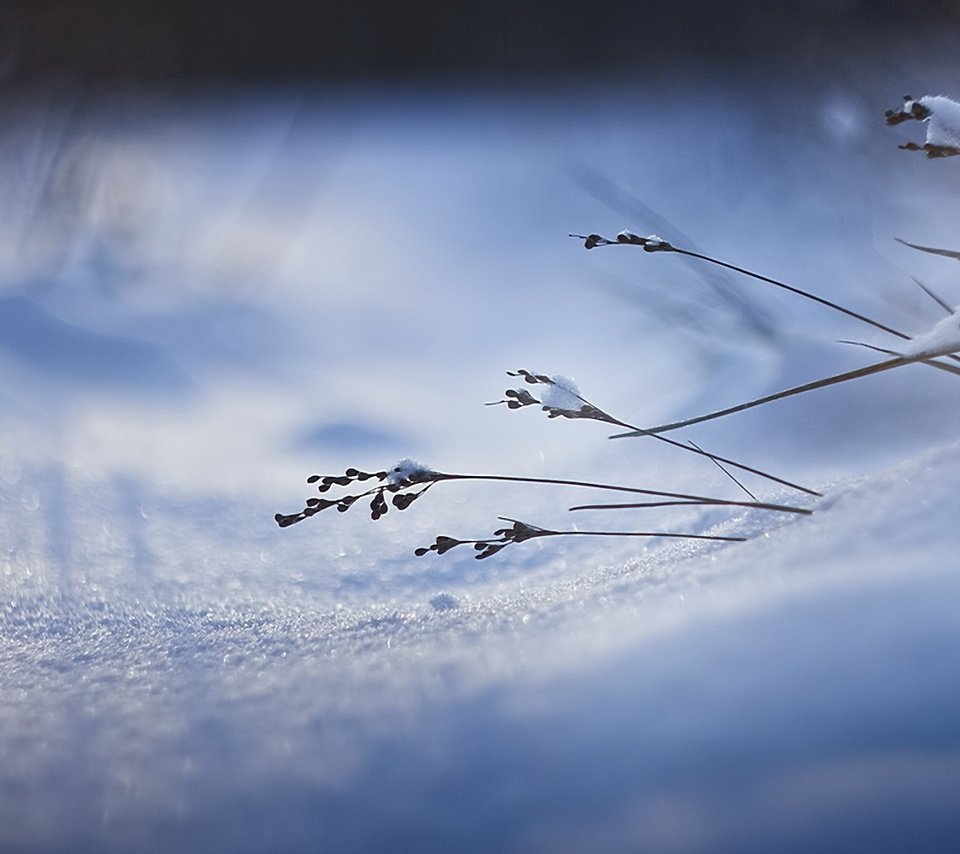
(171, 42)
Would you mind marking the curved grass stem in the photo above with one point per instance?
(593, 240)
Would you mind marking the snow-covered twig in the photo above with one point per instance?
(408, 480)
(942, 118)
(563, 391)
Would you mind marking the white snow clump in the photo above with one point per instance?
(651, 241)
(943, 338)
(408, 471)
(943, 125)
(943, 121)
(562, 395)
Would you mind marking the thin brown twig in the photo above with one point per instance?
(658, 245)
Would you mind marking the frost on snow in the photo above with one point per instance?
(942, 117)
(942, 338)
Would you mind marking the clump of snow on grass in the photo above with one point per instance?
(409, 471)
(940, 113)
(563, 395)
(942, 338)
(943, 123)
(651, 241)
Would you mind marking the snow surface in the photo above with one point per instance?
(193, 319)
(786, 693)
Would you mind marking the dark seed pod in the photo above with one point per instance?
(444, 544)
(378, 507)
(404, 500)
(346, 502)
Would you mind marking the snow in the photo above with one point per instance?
(653, 242)
(943, 124)
(609, 705)
(179, 674)
(408, 471)
(944, 337)
(562, 394)
(940, 113)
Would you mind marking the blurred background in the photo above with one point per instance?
(296, 41)
(244, 242)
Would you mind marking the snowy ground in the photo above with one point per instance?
(203, 303)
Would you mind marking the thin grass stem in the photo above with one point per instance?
(595, 413)
(663, 246)
(755, 505)
(876, 368)
(687, 498)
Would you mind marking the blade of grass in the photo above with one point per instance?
(876, 368)
(663, 246)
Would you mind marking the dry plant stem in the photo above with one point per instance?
(405, 491)
(717, 460)
(596, 414)
(679, 496)
(663, 246)
(946, 253)
(805, 294)
(935, 297)
(714, 460)
(639, 505)
(649, 534)
(943, 366)
(650, 504)
(520, 532)
(877, 368)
